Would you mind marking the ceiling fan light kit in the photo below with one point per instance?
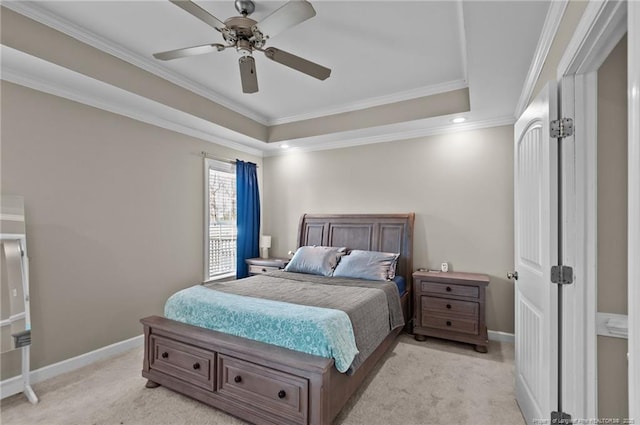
(248, 35)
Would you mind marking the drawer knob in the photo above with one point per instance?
(237, 378)
(448, 323)
(448, 288)
(196, 366)
(282, 394)
(264, 270)
(165, 355)
(449, 306)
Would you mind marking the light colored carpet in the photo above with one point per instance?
(432, 382)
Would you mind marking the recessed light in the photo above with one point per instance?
(284, 146)
(458, 120)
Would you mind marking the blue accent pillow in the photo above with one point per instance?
(320, 260)
(370, 265)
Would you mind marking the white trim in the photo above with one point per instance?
(633, 40)
(43, 16)
(15, 318)
(12, 217)
(206, 215)
(579, 101)
(599, 30)
(32, 11)
(224, 167)
(463, 40)
(613, 325)
(341, 140)
(548, 33)
(587, 238)
(29, 71)
(501, 336)
(38, 74)
(14, 385)
(601, 27)
(374, 101)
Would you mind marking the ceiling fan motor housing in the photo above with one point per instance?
(244, 47)
(245, 7)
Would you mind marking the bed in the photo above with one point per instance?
(268, 384)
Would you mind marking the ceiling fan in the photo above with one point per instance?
(247, 35)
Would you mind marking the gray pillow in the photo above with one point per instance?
(320, 260)
(370, 265)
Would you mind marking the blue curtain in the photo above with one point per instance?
(248, 213)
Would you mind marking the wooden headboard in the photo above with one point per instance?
(371, 232)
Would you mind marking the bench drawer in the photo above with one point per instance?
(183, 361)
(270, 390)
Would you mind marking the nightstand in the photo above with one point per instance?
(264, 265)
(450, 305)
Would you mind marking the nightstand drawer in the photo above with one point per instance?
(451, 324)
(253, 269)
(183, 361)
(455, 307)
(450, 289)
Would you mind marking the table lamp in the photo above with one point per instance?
(265, 244)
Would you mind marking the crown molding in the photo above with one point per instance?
(601, 27)
(38, 14)
(35, 73)
(547, 35)
(374, 101)
(38, 74)
(32, 11)
(463, 40)
(389, 134)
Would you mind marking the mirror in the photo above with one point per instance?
(14, 290)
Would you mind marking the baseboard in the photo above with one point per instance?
(501, 336)
(14, 385)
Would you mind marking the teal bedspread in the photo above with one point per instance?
(319, 331)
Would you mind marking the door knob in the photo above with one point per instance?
(512, 275)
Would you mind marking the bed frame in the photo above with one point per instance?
(266, 384)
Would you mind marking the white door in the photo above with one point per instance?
(536, 242)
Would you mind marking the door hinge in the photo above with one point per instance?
(561, 128)
(562, 275)
(560, 418)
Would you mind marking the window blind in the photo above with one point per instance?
(223, 231)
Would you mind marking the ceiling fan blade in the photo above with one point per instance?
(297, 63)
(287, 16)
(248, 74)
(199, 13)
(189, 51)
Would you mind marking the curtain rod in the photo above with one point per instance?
(217, 158)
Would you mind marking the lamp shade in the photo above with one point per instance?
(265, 241)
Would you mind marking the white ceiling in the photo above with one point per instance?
(379, 51)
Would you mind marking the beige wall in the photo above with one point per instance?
(460, 186)
(612, 228)
(114, 212)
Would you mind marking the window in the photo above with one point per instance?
(221, 232)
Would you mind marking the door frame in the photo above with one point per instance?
(601, 27)
(633, 84)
